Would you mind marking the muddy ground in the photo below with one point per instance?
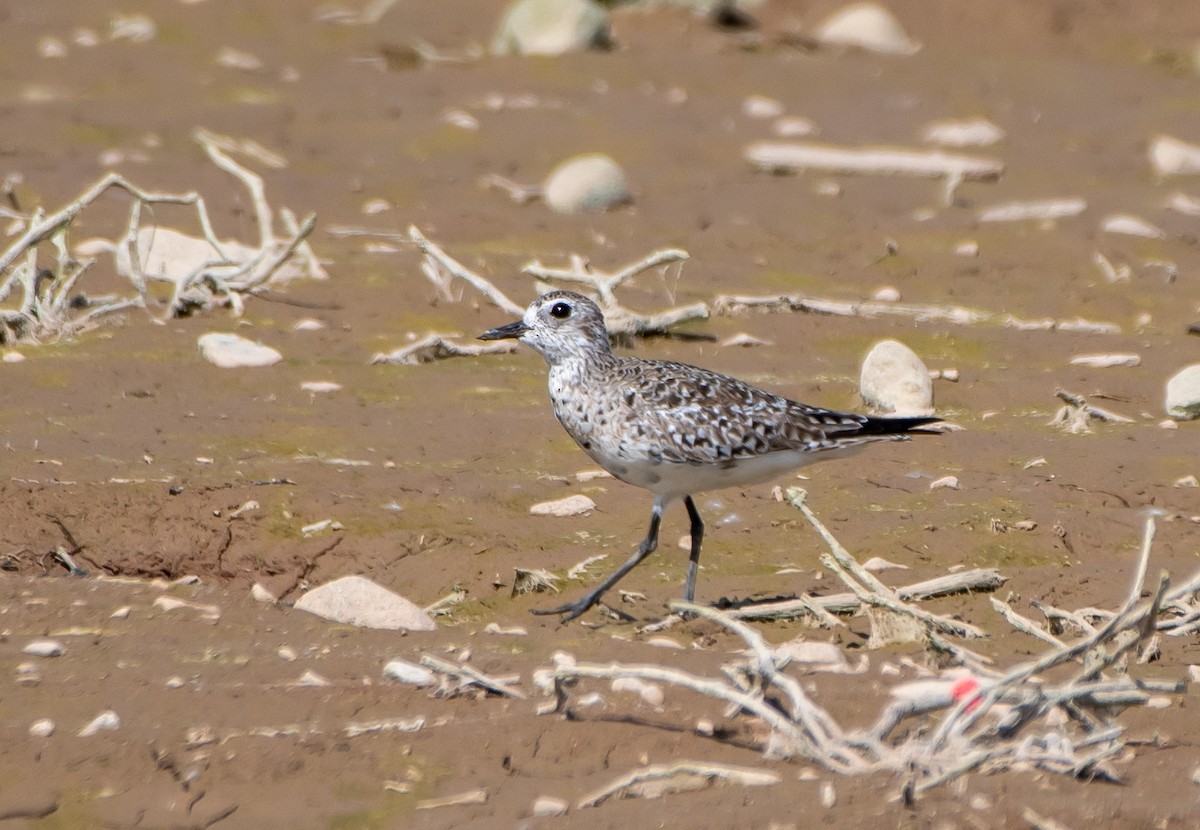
(126, 444)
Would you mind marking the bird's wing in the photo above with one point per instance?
(692, 415)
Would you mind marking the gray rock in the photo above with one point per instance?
(586, 184)
(894, 381)
(359, 601)
(1183, 394)
(407, 672)
(551, 27)
(232, 352)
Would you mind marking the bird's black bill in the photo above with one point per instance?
(509, 332)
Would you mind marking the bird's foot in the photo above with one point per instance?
(569, 611)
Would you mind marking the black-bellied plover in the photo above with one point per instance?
(671, 428)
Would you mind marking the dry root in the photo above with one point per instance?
(203, 271)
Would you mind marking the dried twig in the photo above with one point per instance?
(468, 676)
(438, 347)
(627, 784)
(921, 313)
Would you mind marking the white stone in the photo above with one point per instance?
(828, 794)
(894, 381)
(44, 648)
(1042, 209)
(1169, 156)
(570, 506)
(260, 594)
(967, 248)
(1106, 361)
(231, 58)
(137, 28)
(760, 106)
(1185, 204)
(794, 126)
(308, 324)
(1129, 225)
(13, 357)
(866, 26)
(887, 294)
(51, 47)
(232, 352)
(548, 805)
(310, 678)
(121, 613)
(878, 563)
(320, 386)
(41, 728)
(650, 693)
(359, 601)
(590, 183)
(967, 132)
(406, 672)
(107, 719)
(1183, 394)
(174, 682)
(810, 653)
(551, 27)
(948, 482)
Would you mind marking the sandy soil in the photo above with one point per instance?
(104, 436)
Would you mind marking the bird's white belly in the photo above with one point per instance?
(674, 480)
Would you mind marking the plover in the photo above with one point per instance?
(674, 429)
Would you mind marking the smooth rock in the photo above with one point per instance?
(866, 26)
(320, 386)
(551, 27)
(232, 352)
(794, 126)
(810, 653)
(1183, 394)
(548, 805)
(894, 381)
(760, 106)
(1124, 223)
(359, 601)
(887, 294)
(1169, 156)
(407, 672)
(106, 720)
(1042, 209)
(42, 728)
(44, 648)
(590, 183)
(967, 248)
(1106, 361)
(948, 482)
(310, 678)
(968, 132)
(13, 357)
(260, 594)
(570, 506)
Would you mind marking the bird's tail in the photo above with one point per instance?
(897, 426)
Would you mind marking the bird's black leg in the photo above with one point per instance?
(689, 591)
(574, 609)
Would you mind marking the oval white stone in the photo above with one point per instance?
(231, 352)
(895, 381)
(589, 183)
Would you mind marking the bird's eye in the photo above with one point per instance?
(560, 310)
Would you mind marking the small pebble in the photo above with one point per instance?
(513, 631)
(44, 648)
(320, 386)
(760, 106)
(1186, 481)
(894, 381)
(945, 482)
(308, 324)
(286, 653)
(650, 693)
(406, 672)
(12, 357)
(121, 613)
(106, 720)
(174, 682)
(586, 184)
(260, 594)
(547, 805)
(793, 126)
(828, 794)
(664, 642)
(311, 678)
(41, 728)
(887, 294)
(705, 727)
(229, 351)
(967, 248)
(570, 506)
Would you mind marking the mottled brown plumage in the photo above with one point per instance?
(672, 428)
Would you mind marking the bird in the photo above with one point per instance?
(672, 428)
